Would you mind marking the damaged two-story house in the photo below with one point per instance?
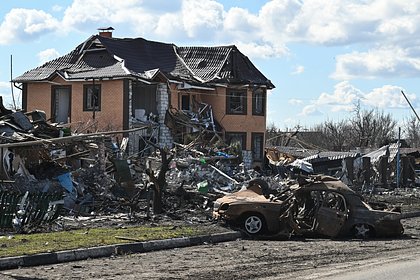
(111, 83)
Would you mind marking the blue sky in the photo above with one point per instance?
(323, 56)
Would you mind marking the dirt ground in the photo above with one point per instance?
(298, 258)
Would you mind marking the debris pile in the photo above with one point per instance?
(90, 174)
(47, 170)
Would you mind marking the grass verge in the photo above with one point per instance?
(28, 244)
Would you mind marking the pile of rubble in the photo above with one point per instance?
(48, 171)
(90, 174)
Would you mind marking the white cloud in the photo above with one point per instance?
(295, 101)
(202, 18)
(346, 96)
(197, 21)
(310, 110)
(57, 8)
(90, 15)
(169, 31)
(254, 50)
(266, 33)
(298, 70)
(388, 96)
(349, 21)
(47, 55)
(26, 25)
(238, 19)
(381, 62)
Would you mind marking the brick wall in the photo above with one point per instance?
(110, 116)
(165, 137)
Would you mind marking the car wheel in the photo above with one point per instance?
(362, 231)
(253, 224)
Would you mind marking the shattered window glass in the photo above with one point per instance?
(257, 146)
(240, 137)
(258, 102)
(91, 97)
(236, 102)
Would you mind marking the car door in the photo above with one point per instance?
(331, 214)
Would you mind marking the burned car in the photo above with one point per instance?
(318, 205)
(252, 210)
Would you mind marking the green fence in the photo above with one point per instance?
(29, 210)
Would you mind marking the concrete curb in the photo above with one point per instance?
(117, 249)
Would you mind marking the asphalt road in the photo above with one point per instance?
(407, 269)
(252, 259)
(248, 259)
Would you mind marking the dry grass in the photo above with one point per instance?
(27, 244)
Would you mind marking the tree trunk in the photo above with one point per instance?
(159, 182)
(157, 200)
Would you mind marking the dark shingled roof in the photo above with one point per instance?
(102, 57)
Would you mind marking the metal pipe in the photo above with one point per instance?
(411, 106)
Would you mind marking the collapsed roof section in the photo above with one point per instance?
(115, 58)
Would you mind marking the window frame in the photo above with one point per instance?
(231, 134)
(258, 94)
(54, 89)
(260, 153)
(243, 100)
(185, 102)
(91, 108)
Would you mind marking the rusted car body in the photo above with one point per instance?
(252, 210)
(319, 205)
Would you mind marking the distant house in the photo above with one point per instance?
(117, 83)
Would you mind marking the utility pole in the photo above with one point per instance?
(398, 158)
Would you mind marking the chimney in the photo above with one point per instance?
(105, 31)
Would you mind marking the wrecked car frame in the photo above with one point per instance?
(321, 205)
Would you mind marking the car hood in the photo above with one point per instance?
(246, 195)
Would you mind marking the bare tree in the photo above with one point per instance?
(412, 132)
(365, 128)
(335, 136)
(372, 128)
(159, 180)
(273, 136)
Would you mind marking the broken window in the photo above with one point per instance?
(232, 137)
(91, 97)
(144, 97)
(185, 102)
(257, 146)
(236, 102)
(258, 102)
(334, 201)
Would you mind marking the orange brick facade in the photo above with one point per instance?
(231, 123)
(110, 117)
